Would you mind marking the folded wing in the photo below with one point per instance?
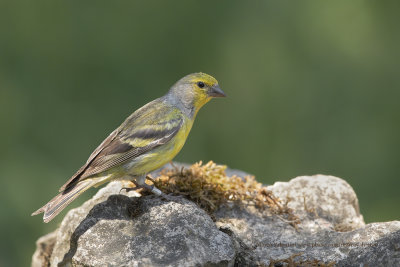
(149, 127)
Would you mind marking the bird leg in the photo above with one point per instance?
(140, 183)
(128, 189)
(140, 180)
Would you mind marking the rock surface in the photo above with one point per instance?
(113, 229)
(331, 229)
(119, 230)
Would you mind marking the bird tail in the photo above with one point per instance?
(59, 202)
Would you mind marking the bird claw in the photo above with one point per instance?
(154, 190)
(128, 189)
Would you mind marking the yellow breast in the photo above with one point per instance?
(161, 155)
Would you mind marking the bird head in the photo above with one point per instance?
(196, 89)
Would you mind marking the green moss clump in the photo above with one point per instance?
(210, 187)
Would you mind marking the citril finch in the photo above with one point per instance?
(145, 141)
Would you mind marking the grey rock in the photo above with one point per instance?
(118, 230)
(113, 229)
(329, 197)
(44, 249)
(331, 228)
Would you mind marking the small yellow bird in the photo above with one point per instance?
(145, 141)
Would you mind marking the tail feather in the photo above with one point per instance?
(59, 202)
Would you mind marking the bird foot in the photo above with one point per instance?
(153, 189)
(128, 189)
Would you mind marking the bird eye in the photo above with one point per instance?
(200, 84)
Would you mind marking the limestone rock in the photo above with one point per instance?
(331, 198)
(44, 249)
(118, 230)
(114, 229)
(331, 229)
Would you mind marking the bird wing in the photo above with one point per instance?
(149, 127)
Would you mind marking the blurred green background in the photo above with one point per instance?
(313, 88)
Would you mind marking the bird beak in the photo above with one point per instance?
(216, 91)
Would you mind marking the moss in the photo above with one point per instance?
(210, 187)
